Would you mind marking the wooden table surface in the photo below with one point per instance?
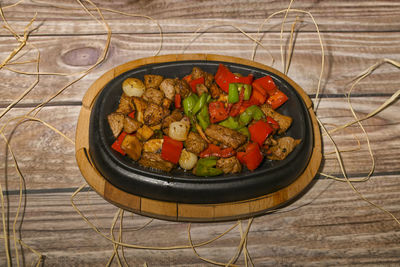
(329, 225)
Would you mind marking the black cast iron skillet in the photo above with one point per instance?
(183, 187)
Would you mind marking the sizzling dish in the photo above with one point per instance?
(204, 123)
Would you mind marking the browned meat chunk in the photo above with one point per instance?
(152, 81)
(196, 73)
(176, 115)
(116, 122)
(229, 165)
(225, 136)
(125, 105)
(168, 87)
(154, 96)
(182, 88)
(195, 144)
(208, 79)
(140, 105)
(215, 91)
(284, 121)
(201, 89)
(131, 125)
(284, 147)
(154, 160)
(154, 114)
(132, 146)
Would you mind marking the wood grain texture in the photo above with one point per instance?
(346, 56)
(317, 229)
(186, 16)
(328, 225)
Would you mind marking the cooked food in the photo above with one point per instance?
(131, 125)
(203, 123)
(133, 87)
(154, 160)
(152, 81)
(282, 148)
(195, 144)
(116, 122)
(154, 96)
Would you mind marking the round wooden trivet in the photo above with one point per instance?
(180, 211)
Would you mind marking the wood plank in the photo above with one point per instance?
(328, 224)
(187, 16)
(347, 55)
(48, 161)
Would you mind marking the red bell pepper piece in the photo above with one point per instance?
(224, 77)
(178, 103)
(193, 83)
(265, 84)
(259, 131)
(252, 157)
(246, 104)
(132, 114)
(258, 97)
(215, 151)
(277, 99)
(171, 149)
(274, 124)
(187, 78)
(240, 157)
(217, 111)
(118, 142)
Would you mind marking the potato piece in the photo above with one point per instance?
(153, 145)
(131, 125)
(152, 81)
(144, 133)
(166, 103)
(140, 105)
(116, 122)
(187, 160)
(132, 147)
(125, 105)
(168, 87)
(156, 127)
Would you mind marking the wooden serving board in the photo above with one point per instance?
(182, 211)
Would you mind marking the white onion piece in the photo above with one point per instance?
(133, 87)
(178, 130)
(187, 160)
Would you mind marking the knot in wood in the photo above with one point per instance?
(84, 56)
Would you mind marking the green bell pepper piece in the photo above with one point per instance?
(245, 132)
(231, 123)
(200, 103)
(233, 93)
(203, 117)
(252, 112)
(206, 167)
(189, 103)
(247, 91)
